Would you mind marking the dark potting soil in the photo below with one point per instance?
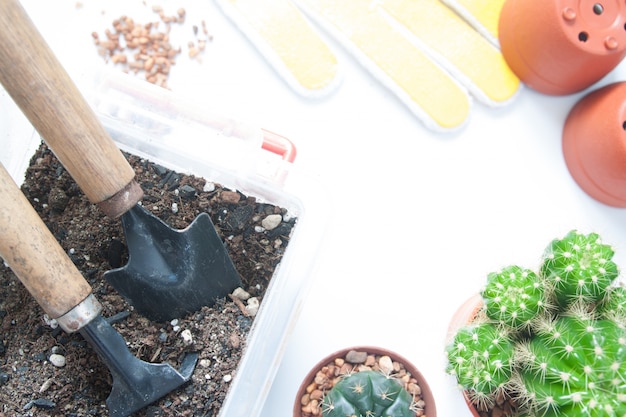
(31, 385)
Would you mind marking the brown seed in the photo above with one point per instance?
(119, 59)
(148, 64)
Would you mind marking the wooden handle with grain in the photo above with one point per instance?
(45, 93)
(34, 255)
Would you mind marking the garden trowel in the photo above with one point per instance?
(169, 273)
(34, 255)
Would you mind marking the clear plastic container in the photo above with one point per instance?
(151, 122)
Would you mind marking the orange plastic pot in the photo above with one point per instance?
(430, 409)
(594, 144)
(559, 47)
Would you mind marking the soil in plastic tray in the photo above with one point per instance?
(33, 379)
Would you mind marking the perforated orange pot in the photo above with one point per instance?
(594, 144)
(560, 47)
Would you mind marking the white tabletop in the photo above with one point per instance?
(418, 218)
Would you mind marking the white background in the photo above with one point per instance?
(418, 218)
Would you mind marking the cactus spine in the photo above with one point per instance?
(560, 335)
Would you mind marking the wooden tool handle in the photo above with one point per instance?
(43, 90)
(34, 255)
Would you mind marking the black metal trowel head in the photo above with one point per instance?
(135, 383)
(170, 272)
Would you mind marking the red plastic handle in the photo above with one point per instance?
(279, 145)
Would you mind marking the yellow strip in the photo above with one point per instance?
(444, 32)
(484, 12)
(426, 85)
(288, 34)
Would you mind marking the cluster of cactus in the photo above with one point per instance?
(554, 340)
(368, 394)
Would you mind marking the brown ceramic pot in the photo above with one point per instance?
(430, 409)
(463, 316)
(594, 144)
(560, 47)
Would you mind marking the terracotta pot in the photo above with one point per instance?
(560, 47)
(594, 144)
(463, 316)
(427, 395)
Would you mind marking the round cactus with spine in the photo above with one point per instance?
(514, 297)
(481, 358)
(579, 268)
(560, 338)
(368, 394)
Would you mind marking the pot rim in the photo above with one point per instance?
(427, 395)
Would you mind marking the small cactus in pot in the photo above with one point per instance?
(364, 381)
(553, 340)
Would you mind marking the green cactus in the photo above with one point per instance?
(481, 358)
(368, 394)
(575, 367)
(579, 268)
(567, 356)
(514, 296)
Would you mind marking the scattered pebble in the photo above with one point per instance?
(272, 221)
(52, 323)
(356, 357)
(241, 294)
(40, 403)
(57, 360)
(174, 208)
(252, 306)
(386, 365)
(204, 363)
(187, 192)
(227, 378)
(187, 337)
(230, 197)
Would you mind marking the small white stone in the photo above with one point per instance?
(227, 378)
(259, 229)
(208, 187)
(187, 336)
(57, 360)
(252, 306)
(272, 221)
(50, 322)
(174, 208)
(241, 294)
(174, 322)
(204, 363)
